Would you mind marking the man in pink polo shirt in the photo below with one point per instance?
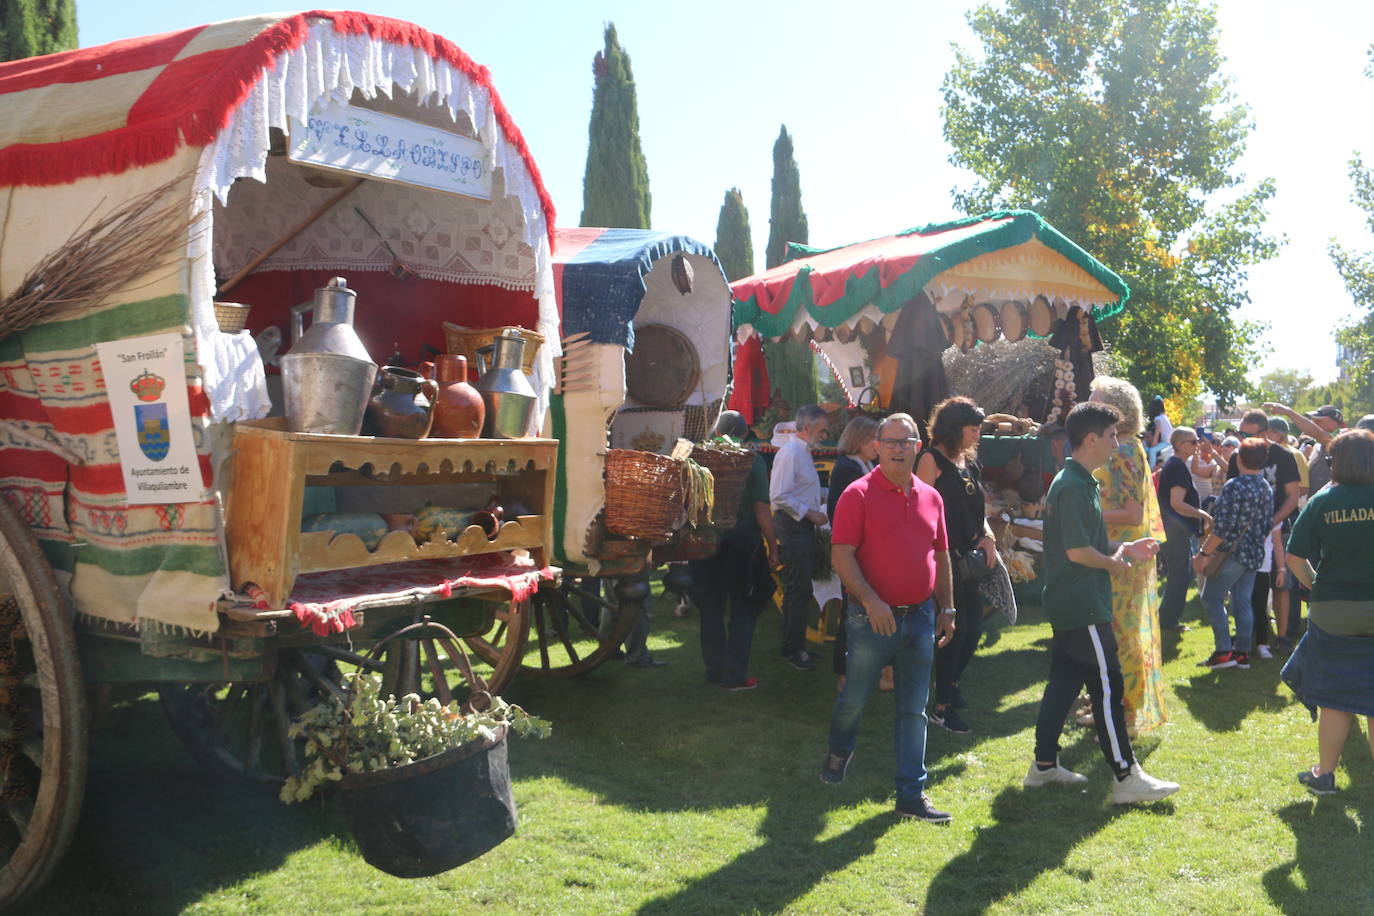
(888, 546)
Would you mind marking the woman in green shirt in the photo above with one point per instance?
(1332, 669)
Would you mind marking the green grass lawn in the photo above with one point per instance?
(659, 794)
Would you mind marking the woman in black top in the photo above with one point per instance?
(948, 465)
(858, 448)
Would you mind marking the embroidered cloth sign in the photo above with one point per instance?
(145, 381)
(363, 142)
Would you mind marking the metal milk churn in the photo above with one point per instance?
(327, 376)
(507, 393)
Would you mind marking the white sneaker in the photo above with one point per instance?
(1140, 786)
(1264, 652)
(1036, 777)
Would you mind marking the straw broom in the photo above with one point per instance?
(145, 234)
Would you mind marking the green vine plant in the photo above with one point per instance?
(375, 733)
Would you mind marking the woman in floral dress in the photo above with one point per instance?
(1131, 511)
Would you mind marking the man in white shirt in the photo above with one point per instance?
(794, 490)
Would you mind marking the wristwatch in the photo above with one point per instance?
(948, 610)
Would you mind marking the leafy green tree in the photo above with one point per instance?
(734, 242)
(1285, 386)
(1349, 395)
(1357, 270)
(786, 218)
(615, 186)
(1111, 119)
(29, 28)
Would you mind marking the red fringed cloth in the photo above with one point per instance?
(752, 391)
(325, 601)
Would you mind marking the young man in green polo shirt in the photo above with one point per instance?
(1079, 562)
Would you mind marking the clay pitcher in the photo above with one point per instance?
(402, 405)
(458, 409)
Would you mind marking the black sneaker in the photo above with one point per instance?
(950, 719)
(1324, 784)
(921, 809)
(1242, 659)
(833, 770)
(801, 660)
(1218, 660)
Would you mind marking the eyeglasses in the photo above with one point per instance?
(899, 443)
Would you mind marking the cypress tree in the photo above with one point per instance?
(786, 219)
(615, 186)
(734, 243)
(29, 28)
(791, 364)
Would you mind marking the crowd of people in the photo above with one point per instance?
(1256, 519)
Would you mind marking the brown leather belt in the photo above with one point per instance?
(901, 610)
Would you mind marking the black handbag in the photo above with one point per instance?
(972, 564)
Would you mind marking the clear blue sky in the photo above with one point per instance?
(857, 85)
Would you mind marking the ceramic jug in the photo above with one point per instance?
(402, 406)
(327, 376)
(458, 408)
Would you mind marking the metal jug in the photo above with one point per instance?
(507, 393)
(327, 376)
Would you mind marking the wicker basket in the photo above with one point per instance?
(232, 317)
(731, 471)
(463, 341)
(644, 494)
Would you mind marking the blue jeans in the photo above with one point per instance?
(910, 652)
(1178, 569)
(1238, 582)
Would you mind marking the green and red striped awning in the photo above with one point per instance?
(1000, 256)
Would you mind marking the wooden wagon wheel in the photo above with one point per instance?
(565, 640)
(239, 730)
(42, 716)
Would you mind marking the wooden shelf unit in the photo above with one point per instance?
(272, 467)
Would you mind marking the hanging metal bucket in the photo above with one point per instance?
(426, 817)
(434, 814)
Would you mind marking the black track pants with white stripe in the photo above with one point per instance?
(1084, 658)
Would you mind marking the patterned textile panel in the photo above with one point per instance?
(157, 562)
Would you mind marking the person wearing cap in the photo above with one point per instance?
(1366, 422)
(1322, 424)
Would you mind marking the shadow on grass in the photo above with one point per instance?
(1329, 872)
(1213, 699)
(158, 833)
(784, 868)
(1034, 832)
(1331, 882)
